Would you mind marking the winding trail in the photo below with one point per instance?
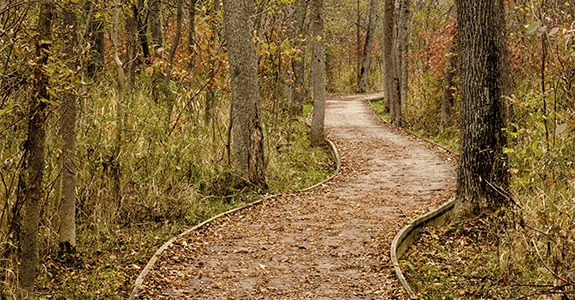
(328, 243)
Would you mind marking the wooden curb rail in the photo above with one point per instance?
(407, 235)
(140, 279)
(409, 232)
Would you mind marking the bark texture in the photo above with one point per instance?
(366, 61)
(317, 75)
(403, 20)
(32, 174)
(247, 133)
(388, 53)
(482, 174)
(156, 23)
(68, 110)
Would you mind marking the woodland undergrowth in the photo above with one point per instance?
(526, 251)
(174, 174)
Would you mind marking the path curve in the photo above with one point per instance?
(328, 243)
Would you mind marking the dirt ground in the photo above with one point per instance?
(332, 242)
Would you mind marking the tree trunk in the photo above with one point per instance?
(482, 181)
(366, 62)
(403, 49)
(213, 43)
(448, 99)
(298, 62)
(141, 27)
(317, 74)
(32, 174)
(68, 110)
(156, 23)
(247, 133)
(95, 36)
(123, 90)
(192, 35)
(170, 97)
(388, 53)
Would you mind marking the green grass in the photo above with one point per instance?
(178, 189)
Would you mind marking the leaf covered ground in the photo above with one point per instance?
(331, 242)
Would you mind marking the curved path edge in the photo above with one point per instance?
(156, 255)
(406, 236)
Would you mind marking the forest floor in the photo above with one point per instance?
(331, 242)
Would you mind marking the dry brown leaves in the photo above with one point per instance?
(328, 243)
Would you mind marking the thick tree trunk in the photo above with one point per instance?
(68, 110)
(298, 62)
(388, 53)
(317, 75)
(247, 133)
(482, 181)
(32, 174)
(366, 62)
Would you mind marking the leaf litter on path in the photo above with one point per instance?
(328, 243)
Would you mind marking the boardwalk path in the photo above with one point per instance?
(329, 243)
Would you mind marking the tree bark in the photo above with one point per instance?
(298, 62)
(123, 90)
(317, 74)
(32, 174)
(156, 23)
(388, 53)
(247, 133)
(448, 99)
(366, 62)
(403, 49)
(482, 180)
(68, 110)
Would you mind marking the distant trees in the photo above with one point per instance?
(482, 177)
(368, 45)
(247, 133)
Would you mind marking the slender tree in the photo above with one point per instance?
(298, 61)
(482, 179)
(368, 45)
(156, 23)
(68, 110)
(448, 98)
(32, 173)
(403, 20)
(388, 53)
(317, 74)
(247, 133)
(192, 34)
